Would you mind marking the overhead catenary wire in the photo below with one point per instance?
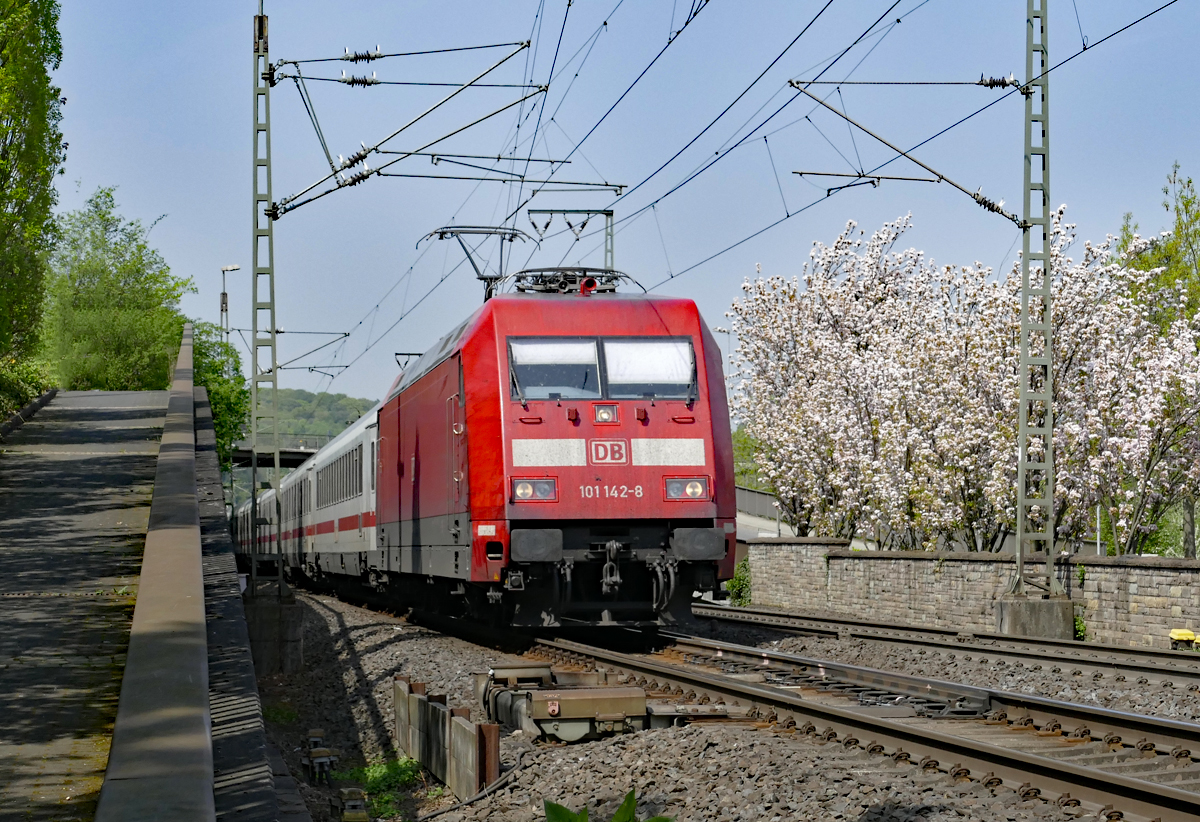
(290, 204)
(987, 82)
(537, 127)
(696, 7)
(962, 120)
(368, 56)
(374, 82)
(692, 16)
(710, 162)
(776, 173)
(361, 156)
(407, 276)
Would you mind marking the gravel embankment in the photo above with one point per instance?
(1171, 703)
(722, 773)
(350, 657)
(704, 772)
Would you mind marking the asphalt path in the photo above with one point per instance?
(75, 489)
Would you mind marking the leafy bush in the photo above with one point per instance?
(113, 320)
(626, 813)
(739, 586)
(1080, 629)
(383, 780)
(21, 380)
(217, 366)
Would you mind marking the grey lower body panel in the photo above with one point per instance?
(698, 544)
(535, 545)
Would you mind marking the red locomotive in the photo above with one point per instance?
(563, 457)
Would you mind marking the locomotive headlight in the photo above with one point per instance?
(535, 490)
(605, 413)
(686, 488)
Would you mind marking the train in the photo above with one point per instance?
(562, 458)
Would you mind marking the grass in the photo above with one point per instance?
(280, 714)
(384, 781)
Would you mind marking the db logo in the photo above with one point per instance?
(609, 452)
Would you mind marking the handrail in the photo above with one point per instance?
(160, 763)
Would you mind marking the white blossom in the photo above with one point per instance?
(882, 392)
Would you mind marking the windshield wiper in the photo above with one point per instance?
(693, 392)
(512, 373)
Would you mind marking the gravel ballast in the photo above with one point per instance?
(999, 674)
(351, 655)
(702, 772)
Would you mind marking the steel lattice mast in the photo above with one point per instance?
(264, 415)
(1035, 428)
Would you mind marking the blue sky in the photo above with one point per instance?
(159, 105)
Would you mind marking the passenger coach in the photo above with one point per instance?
(557, 459)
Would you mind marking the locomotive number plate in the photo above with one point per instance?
(611, 491)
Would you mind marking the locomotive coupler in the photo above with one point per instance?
(610, 579)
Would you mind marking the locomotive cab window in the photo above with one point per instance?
(618, 368)
(648, 368)
(554, 369)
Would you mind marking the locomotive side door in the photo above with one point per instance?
(456, 447)
(387, 477)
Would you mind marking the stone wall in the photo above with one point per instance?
(1122, 600)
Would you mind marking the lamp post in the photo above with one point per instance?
(225, 269)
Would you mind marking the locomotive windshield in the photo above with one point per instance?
(555, 369)
(613, 368)
(648, 368)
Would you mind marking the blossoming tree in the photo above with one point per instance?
(881, 391)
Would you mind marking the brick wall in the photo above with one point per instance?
(1123, 600)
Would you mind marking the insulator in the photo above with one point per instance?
(359, 81)
(355, 179)
(361, 56)
(355, 158)
(997, 82)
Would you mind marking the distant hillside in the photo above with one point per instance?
(303, 414)
(306, 419)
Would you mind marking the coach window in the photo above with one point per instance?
(635, 369)
(554, 369)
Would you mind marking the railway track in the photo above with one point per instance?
(1144, 666)
(1098, 763)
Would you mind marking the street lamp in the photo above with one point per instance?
(225, 269)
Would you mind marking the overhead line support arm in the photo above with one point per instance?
(986, 203)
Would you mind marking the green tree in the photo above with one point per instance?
(1177, 254)
(217, 366)
(113, 321)
(745, 467)
(31, 153)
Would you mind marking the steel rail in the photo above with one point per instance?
(1151, 664)
(931, 749)
(1098, 720)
